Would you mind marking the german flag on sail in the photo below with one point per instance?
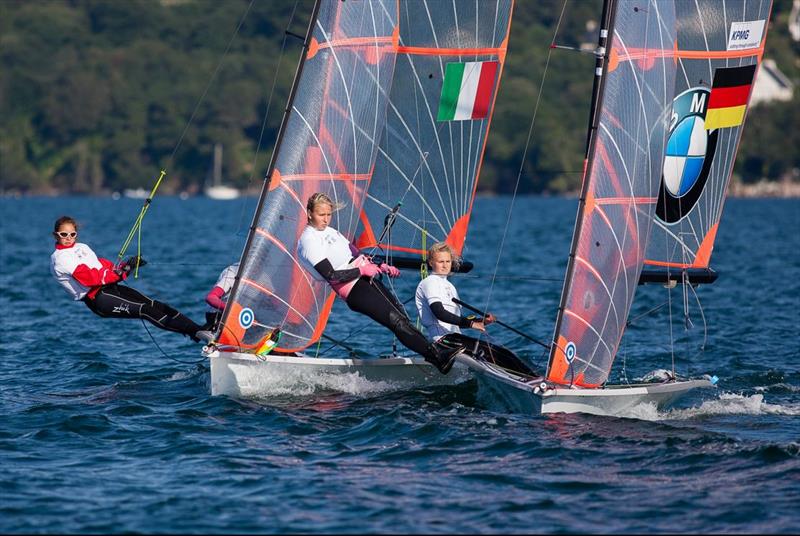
(729, 94)
(467, 90)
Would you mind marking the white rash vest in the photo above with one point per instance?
(315, 246)
(432, 289)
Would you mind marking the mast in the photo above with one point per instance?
(601, 55)
(217, 164)
(273, 158)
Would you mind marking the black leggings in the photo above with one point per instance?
(371, 298)
(118, 301)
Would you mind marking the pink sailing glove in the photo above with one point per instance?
(369, 270)
(391, 270)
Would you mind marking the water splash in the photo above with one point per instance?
(726, 404)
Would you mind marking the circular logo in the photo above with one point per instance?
(690, 152)
(246, 317)
(569, 352)
(686, 151)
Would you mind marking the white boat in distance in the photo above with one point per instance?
(217, 190)
(136, 193)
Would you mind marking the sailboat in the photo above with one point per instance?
(388, 114)
(672, 85)
(217, 190)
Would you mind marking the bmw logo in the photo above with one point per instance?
(690, 152)
(246, 317)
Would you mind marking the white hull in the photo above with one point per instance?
(525, 395)
(221, 192)
(137, 193)
(245, 375)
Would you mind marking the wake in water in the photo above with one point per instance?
(296, 382)
(726, 404)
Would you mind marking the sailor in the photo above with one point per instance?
(327, 255)
(217, 297)
(96, 282)
(440, 315)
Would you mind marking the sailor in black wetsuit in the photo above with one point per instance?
(95, 281)
(329, 256)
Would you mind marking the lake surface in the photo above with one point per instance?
(104, 429)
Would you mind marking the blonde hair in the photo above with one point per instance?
(444, 247)
(321, 198)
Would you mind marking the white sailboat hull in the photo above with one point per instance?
(246, 375)
(221, 192)
(524, 394)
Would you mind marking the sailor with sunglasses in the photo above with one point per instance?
(95, 282)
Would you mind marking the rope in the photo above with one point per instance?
(653, 310)
(136, 229)
(524, 156)
(164, 353)
(452, 274)
(137, 226)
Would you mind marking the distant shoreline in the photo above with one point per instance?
(764, 189)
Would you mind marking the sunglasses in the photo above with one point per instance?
(64, 234)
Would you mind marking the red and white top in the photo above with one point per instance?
(80, 271)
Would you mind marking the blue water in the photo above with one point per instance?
(105, 430)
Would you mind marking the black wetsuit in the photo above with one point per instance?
(119, 301)
(370, 297)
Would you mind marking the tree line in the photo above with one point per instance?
(97, 95)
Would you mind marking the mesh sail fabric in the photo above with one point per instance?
(719, 46)
(329, 145)
(427, 161)
(620, 190)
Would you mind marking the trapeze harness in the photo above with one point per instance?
(328, 256)
(93, 281)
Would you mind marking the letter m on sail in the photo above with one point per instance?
(698, 102)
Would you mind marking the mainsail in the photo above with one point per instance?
(394, 97)
(327, 144)
(619, 192)
(719, 48)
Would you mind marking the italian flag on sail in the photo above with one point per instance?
(467, 90)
